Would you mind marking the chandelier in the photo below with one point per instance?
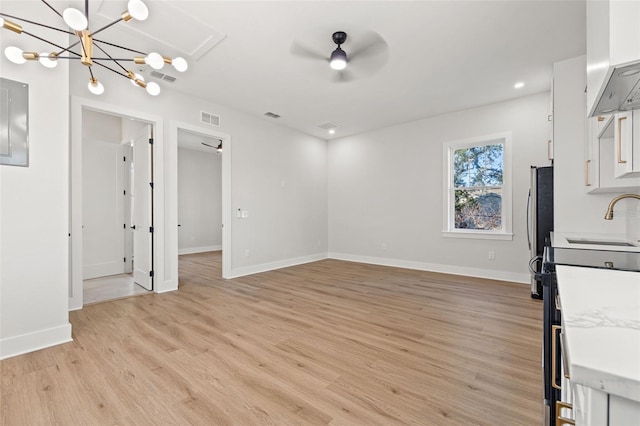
(78, 23)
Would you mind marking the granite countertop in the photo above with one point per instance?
(601, 326)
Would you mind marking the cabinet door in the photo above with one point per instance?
(623, 411)
(589, 406)
(623, 144)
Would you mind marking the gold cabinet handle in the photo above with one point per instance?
(554, 362)
(563, 420)
(601, 118)
(586, 173)
(549, 154)
(620, 160)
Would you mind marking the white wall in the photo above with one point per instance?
(103, 198)
(385, 187)
(34, 210)
(576, 211)
(199, 201)
(277, 174)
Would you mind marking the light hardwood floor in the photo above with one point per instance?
(329, 342)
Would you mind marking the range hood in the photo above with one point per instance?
(622, 92)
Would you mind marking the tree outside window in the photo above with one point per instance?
(477, 186)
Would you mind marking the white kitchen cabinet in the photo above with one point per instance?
(612, 41)
(601, 153)
(623, 163)
(589, 406)
(623, 411)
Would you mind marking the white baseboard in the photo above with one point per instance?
(435, 267)
(166, 286)
(25, 343)
(264, 267)
(192, 250)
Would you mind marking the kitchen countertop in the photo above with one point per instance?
(559, 239)
(601, 327)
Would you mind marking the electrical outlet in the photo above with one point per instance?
(492, 255)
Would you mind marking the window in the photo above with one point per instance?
(477, 193)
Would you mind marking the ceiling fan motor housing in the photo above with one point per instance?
(339, 37)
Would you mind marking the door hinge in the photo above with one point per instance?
(151, 185)
(124, 159)
(125, 259)
(151, 229)
(124, 192)
(124, 226)
(151, 141)
(151, 274)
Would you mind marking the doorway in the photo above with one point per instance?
(117, 197)
(199, 195)
(152, 217)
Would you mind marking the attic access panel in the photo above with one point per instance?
(14, 123)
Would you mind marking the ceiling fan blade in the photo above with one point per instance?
(300, 50)
(368, 45)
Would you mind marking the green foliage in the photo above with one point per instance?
(478, 166)
(474, 169)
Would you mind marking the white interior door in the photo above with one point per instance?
(142, 211)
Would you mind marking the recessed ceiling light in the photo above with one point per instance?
(518, 85)
(331, 131)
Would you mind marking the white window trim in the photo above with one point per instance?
(448, 231)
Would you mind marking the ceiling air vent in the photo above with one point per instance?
(163, 77)
(208, 118)
(328, 125)
(272, 114)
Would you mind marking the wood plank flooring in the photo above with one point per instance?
(327, 343)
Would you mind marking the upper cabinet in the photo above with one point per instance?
(613, 55)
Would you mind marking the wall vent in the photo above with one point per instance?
(162, 76)
(208, 118)
(272, 114)
(328, 125)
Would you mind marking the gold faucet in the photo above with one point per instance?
(609, 214)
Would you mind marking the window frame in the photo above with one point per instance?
(448, 216)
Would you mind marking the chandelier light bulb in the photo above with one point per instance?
(95, 87)
(180, 64)
(137, 77)
(154, 60)
(338, 59)
(75, 19)
(48, 60)
(153, 89)
(14, 54)
(138, 10)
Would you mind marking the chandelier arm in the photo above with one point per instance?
(112, 70)
(109, 56)
(105, 27)
(47, 41)
(36, 23)
(120, 47)
(52, 8)
(66, 49)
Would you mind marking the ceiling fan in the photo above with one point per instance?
(365, 55)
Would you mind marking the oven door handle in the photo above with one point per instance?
(529, 219)
(535, 274)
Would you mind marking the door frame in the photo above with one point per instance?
(172, 183)
(75, 200)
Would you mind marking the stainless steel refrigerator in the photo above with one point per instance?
(539, 222)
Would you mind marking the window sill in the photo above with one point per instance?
(479, 235)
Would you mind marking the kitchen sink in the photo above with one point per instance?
(600, 242)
